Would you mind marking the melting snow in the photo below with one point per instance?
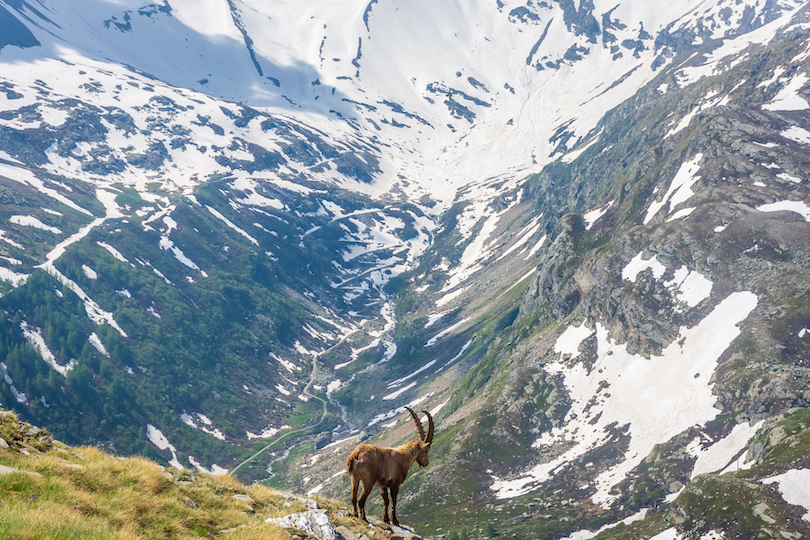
(399, 392)
(788, 98)
(289, 366)
(795, 133)
(27, 177)
(114, 252)
(682, 213)
(14, 277)
(432, 341)
(266, 433)
(637, 266)
(414, 374)
(680, 190)
(34, 336)
(393, 412)
(230, 224)
(669, 534)
(157, 438)
(791, 206)
(723, 452)
(205, 425)
(587, 535)
(653, 400)
(533, 227)
(794, 486)
(89, 272)
(569, 341)
(691, 287)
(215, 469)
(592, 216)
(97, 344)
(433, 318)
(29, 221)
(19, 396)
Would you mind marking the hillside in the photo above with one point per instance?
(52, 491)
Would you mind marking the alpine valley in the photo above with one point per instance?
(241, 236)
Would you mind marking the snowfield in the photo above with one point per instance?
(651, 400)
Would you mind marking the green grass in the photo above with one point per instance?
(60, 492)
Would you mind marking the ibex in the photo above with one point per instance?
(387, 468)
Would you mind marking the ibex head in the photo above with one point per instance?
(424, 441)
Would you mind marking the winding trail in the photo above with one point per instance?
(305, 391)
(281, 437)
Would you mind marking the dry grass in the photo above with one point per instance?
(58, 492)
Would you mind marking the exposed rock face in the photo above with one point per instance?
(314, 522)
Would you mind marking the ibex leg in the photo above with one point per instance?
(394, 492)
(355, 485)
(384, 493)
(362, 502)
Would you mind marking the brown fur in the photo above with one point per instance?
(387, 468)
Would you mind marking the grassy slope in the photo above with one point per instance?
(52, 491)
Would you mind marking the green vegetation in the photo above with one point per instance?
(52, 491)
(190, 342)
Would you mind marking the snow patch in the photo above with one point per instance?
(797, 134)
(788, 98)
(432, 341)
(723, 452)
(30, 221)
(97, 344)
(794, 485)
(652, 400)
(19, 396)
(680, 190)
(35, 338)
(202, 423)
(791, 206)
(157, 438)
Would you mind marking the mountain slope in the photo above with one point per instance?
(662, 328)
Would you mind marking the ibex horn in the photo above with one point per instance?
(429, 438)
(416, 421)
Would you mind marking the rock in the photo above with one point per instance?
(4, 469)
(310, 503)
(346, 533)
(314, 522)
(189, 502)
(323, 440)
(244, 498)
(3, 443)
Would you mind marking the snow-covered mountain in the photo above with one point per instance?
(574, 230)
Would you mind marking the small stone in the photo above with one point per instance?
(346, 533)
(3, 443)
(244, 498)
(189, 502)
